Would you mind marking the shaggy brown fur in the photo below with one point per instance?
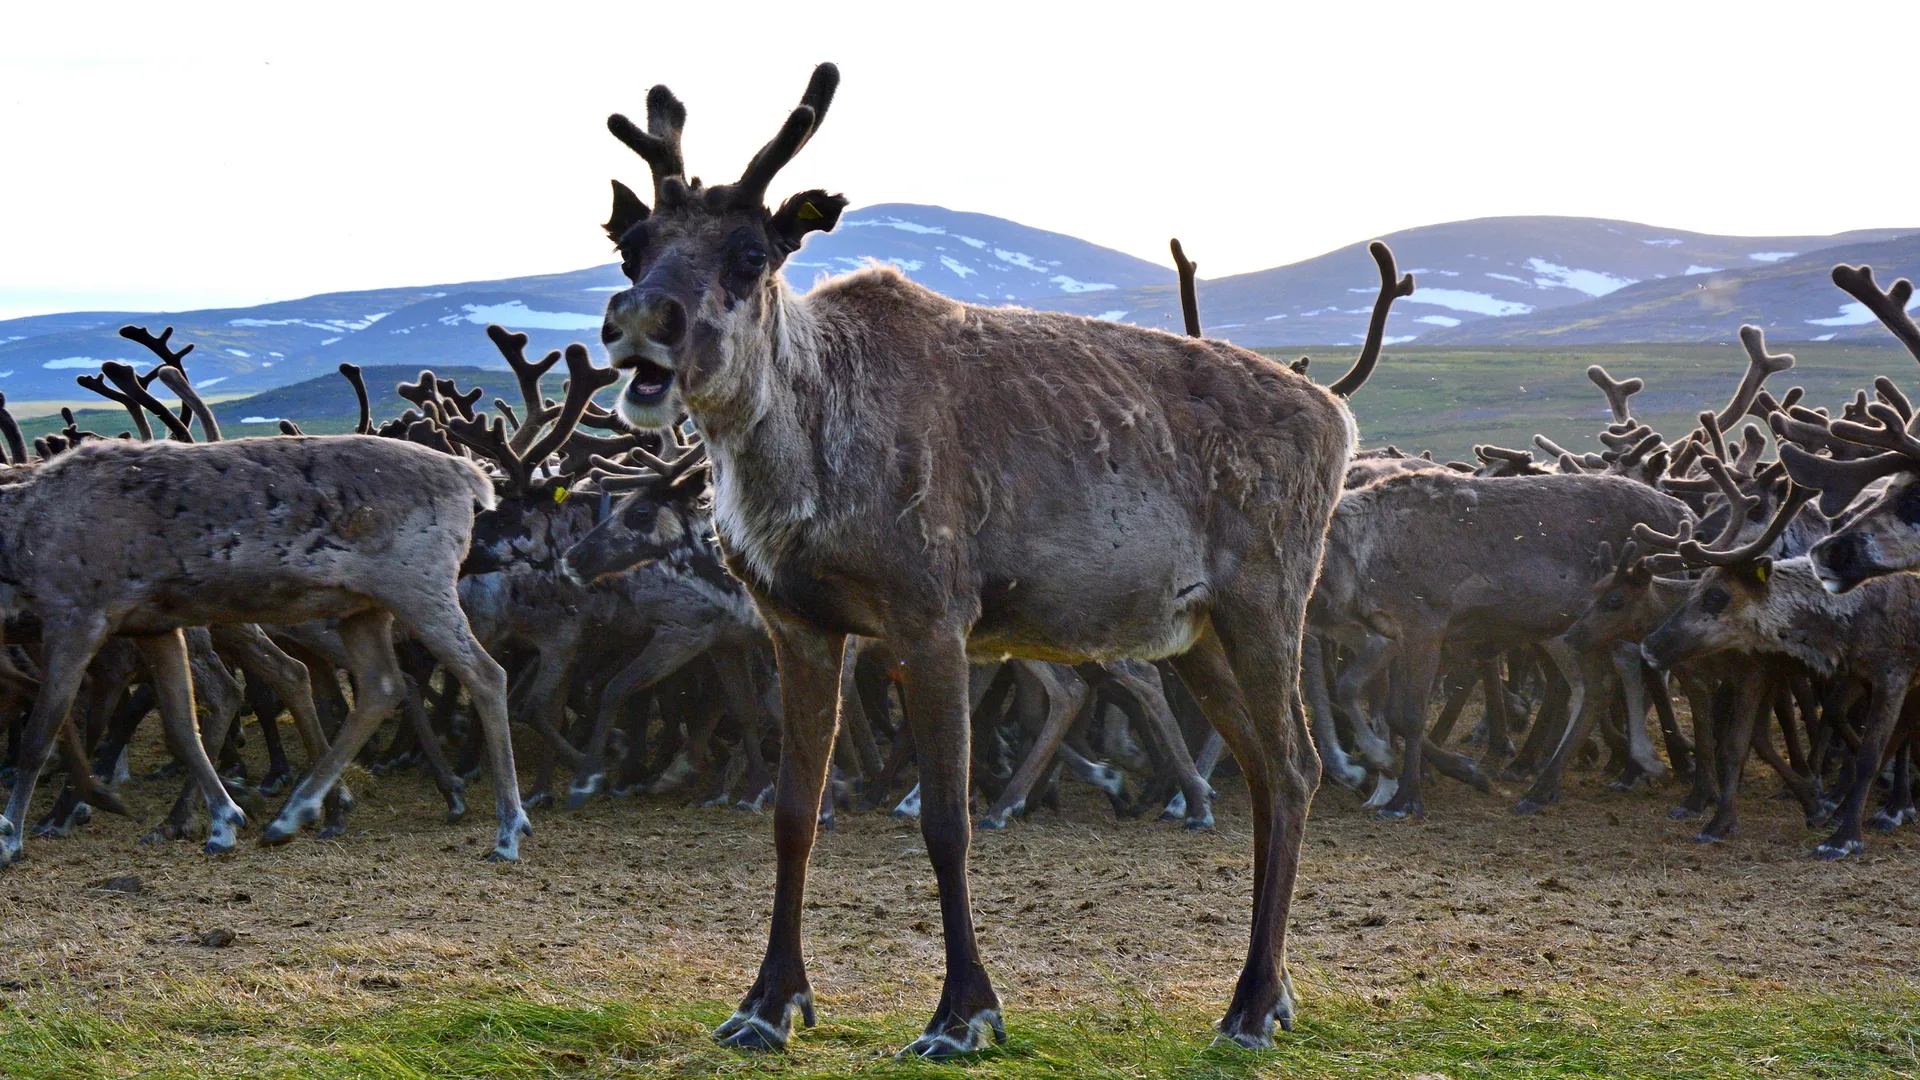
(157, 536)
(1431, 560)
(973, 482)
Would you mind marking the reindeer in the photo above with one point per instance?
(1424, 561)
(1883, 537)
(1749, 603)
(964, 481)
(369, 531)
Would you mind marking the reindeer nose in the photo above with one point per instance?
(609, 332)
(665, 320)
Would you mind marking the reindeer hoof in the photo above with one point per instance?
(456, 807)
(957, 1041)
(746, 1029)
(1838, 849)
(1888, 820)
(584, 790)
(1683, 812)
(1529, 806)
(1196, 824)
(274, 783)
(539, 800)
(992, 822)
(1705, 836)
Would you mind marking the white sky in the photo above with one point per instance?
(186, 155)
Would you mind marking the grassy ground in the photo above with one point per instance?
(195, 1029)
(1449, 399)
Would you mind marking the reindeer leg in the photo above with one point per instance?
(1629, 671)
(1065, 695)
(1246, 681)
(368, 638)
(1334, 761)
(166, 656)
(1419, 657)
(937, 695)
(1883, 716)
(809, 684)
(1493, 688)
(1679, 751)
(1898, 809)
(670, 649)
(1750, 696)
(1369, 662)
(441, 627)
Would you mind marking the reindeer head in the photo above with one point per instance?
(704, 261)
(1623, 607)
(1727, 608)
(658, 513)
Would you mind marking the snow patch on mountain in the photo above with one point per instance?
(1591, 282)
(1478, 303)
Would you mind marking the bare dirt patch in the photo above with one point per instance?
(1074, 907)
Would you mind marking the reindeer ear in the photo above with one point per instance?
(628, 211)
(802, 214)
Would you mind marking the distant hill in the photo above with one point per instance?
(1547, 281)
(1793, 299)
(970, 256)
(1477, 279)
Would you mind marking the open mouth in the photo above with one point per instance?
(650, 382)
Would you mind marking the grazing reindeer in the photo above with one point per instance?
(972, 482)
(170, 535)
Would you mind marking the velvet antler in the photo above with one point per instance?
(1617, 391)
(1189, 302)
(1890, 306)
(1391, 287)
(1789, 508)
(658, 145)
(751, 189)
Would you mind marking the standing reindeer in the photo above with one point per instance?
(153, 537)
(973, 482)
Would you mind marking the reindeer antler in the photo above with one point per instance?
(1890, 307)
(659, 145)
(98, 384)
(352, 374)
(1789, 508)
(490, 438)
(1189, 302)
(1660, 541)
(751, 189)
(129, 383)
(16, 446)
(1740, 505)
(1617, 391)
(1760, 364)
(513, 347)
(1391, 287)
(176, 381)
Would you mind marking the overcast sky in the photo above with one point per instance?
(189, 155)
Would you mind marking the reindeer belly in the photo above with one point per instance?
(1121, 574)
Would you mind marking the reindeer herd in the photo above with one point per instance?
(868, 547)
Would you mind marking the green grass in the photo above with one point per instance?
(1440, 1031)
(1449, 399)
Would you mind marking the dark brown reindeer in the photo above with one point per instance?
(964, 481)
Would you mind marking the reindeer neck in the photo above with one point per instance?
(759, 424)
(1811, 624)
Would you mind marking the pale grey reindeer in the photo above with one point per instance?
(975, 482)
(152, 537)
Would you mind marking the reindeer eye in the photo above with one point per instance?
(1613, 600)
(640, 517)
(752, 261)
(1715, 601)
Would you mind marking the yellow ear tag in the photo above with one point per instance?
(808, 212)
(1761, 573)
(559, 494)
